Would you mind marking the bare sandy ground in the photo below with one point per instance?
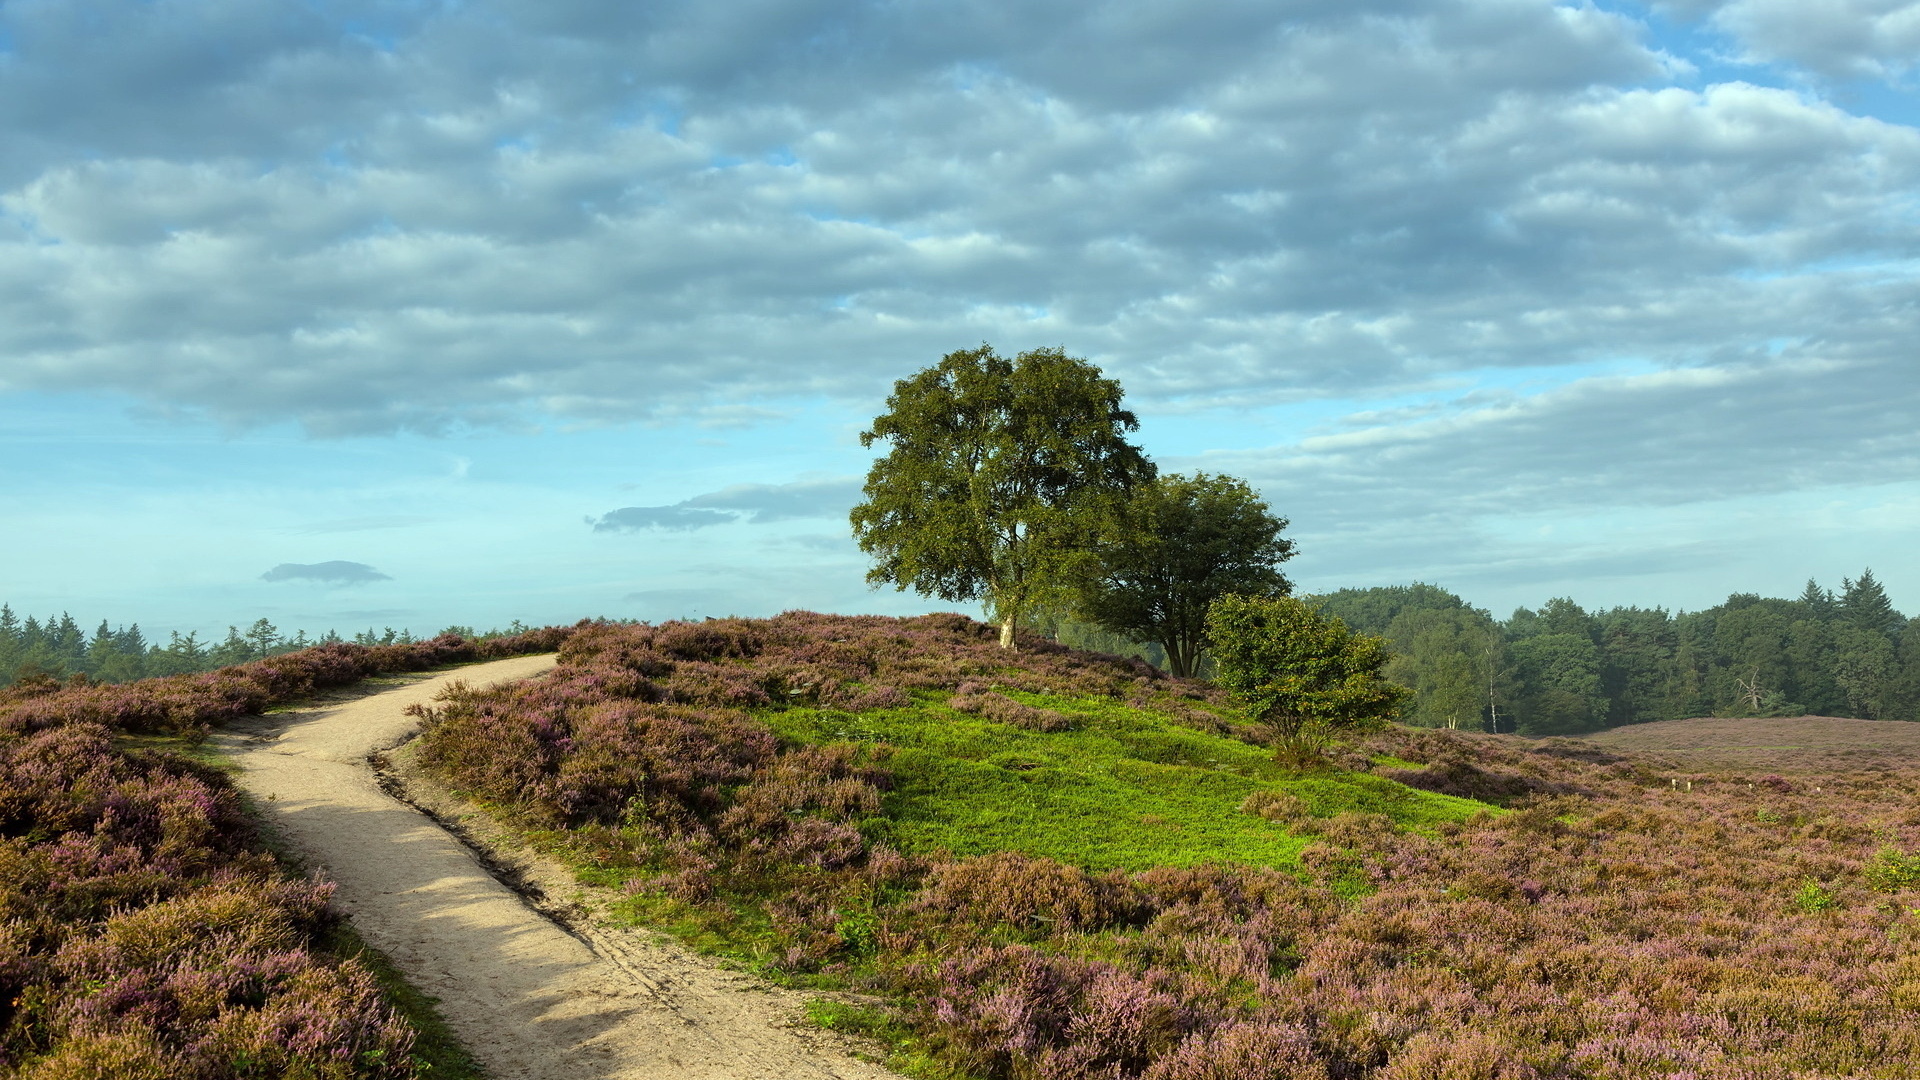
(531, 998)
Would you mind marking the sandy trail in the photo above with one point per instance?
(531, 1000)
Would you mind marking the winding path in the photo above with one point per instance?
(531, 1000)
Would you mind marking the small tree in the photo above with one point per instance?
(998, 474)
(1306, 675)
(1179, 544)
(262, 637)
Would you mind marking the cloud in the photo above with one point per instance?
(764, 503)
(337, 572)
(488, 214)
(677, 518)
(759, 504)
(1834, 39)
(1662, 470)
(1449, 215)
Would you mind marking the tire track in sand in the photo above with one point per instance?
(530, 1000)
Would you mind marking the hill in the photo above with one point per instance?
(1054, 864)
(1778, 743)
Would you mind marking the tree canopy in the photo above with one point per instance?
(997, 473)
(1177, 545)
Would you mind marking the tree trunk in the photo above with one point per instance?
(1006, 631)
(1179, 657)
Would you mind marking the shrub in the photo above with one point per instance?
(1015, 890)
(1242, 1050)
(1814, 897)
(143, 933)
(146, 937)
(1001, 708)
(1306, 675)
(191, 703)
(1892, 870)
(1277, 806)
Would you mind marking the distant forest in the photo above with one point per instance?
(57, 647)
(1563, 670)
(1557, 670)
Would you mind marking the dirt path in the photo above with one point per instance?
(530, 999)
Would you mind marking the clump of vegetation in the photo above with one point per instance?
(144, 932)
(1892, 870)
(1305, 675)
(144, 937)
(1148, 893)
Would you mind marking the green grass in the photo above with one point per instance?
(193, 747)
(905, 1053)
(1125, 789)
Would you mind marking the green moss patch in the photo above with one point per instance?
(1123, 789)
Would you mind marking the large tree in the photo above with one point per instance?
(1305, 674)
(1179, 544)
(997, 475)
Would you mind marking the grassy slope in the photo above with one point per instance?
(1124, 789)
(1636, 918)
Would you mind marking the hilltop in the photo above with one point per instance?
(1049, 863)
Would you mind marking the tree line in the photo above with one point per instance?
(1562, 670)
(57, 647)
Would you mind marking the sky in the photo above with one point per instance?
(367, 313)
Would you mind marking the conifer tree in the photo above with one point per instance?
(1864, 603)
(1818, 602)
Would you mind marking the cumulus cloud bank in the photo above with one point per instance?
(482, 212)
(337, 572)
(1835, 39)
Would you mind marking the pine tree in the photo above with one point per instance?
(11, 642)
(1818, 602)
(262, 637)
(1864, 604)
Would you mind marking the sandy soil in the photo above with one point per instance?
(1778, 743)
(532, 996)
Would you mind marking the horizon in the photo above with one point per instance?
(212, 634)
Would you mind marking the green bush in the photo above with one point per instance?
(1814, 897)
(1892, 870)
